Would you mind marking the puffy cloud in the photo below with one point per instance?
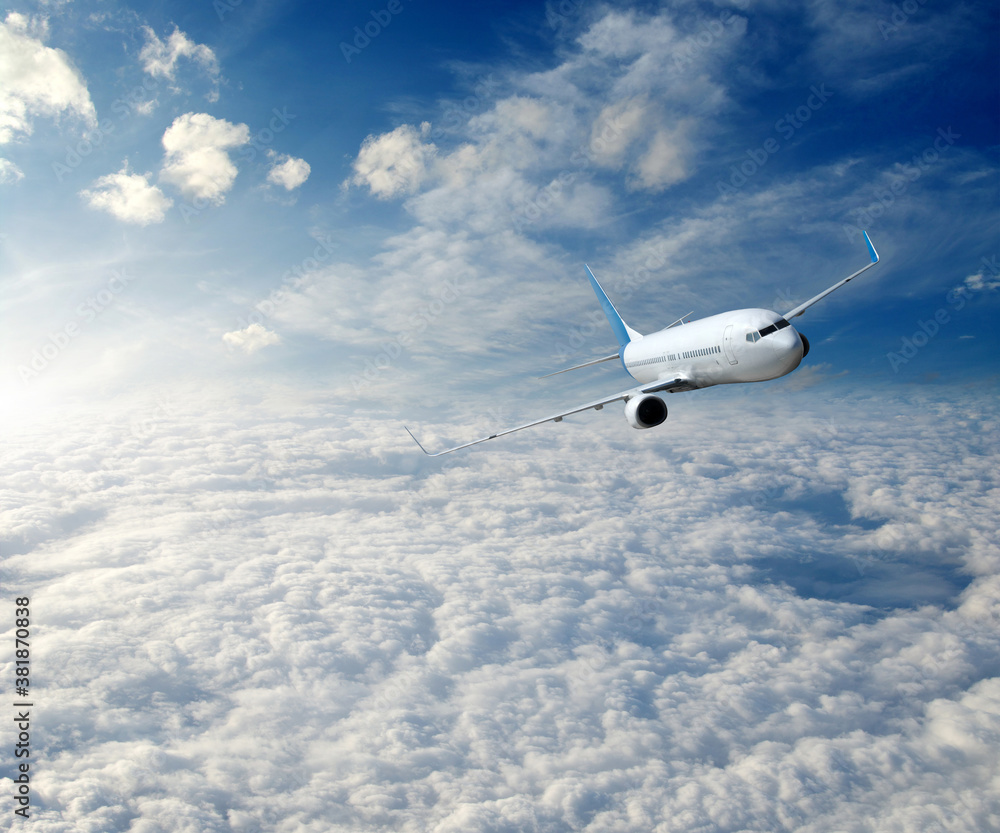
(36, 80)
(615, 128)
(623, 35)
(288, 172)
(160, 59)
(556, 151)
(9, 172)
(129, 197)
(282, 608)
(620, 100)
(979, 282)
(252, 338)
(666, 161)
(520, 114)
(196, 158)
(394, 163)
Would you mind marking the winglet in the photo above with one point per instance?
(408, 431)
(871, 248)
(623, 332)
(801, 308)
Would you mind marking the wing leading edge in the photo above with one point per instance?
(661, 386)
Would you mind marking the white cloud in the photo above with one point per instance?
(979, 282)
(36, 80)
(252, 338)
(627, 35)
(872, 51)
(754, 618)
(666, 161)
(524, 115)
(614, 129)
(160, 59)
(300, 616)
(9, 172)
(620, 100)
(559, 152)
(289, 172)
(394, 163)
(196, 158)
(129, 197)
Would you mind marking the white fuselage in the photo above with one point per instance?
(718, 350)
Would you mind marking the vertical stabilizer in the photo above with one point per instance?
(623, 332)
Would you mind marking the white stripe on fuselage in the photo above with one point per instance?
(698, 351)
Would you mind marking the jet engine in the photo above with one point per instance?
(645, 411)
(805, 345)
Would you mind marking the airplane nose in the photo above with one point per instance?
(788, 346)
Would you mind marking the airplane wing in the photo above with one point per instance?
(801, 308)
(661, 386)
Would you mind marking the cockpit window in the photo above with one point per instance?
(754, 336)
(780, 324)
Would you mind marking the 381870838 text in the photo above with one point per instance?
(22, 707)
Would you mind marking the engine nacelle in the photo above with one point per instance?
(805, 345)
(645, 411)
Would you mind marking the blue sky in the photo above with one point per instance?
(736, 148)
(244, 243)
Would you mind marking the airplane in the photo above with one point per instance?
(745, 345)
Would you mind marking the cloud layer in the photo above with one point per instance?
(288, 619)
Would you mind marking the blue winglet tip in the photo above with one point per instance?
(871, 248)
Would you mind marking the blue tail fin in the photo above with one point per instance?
(623, 332)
